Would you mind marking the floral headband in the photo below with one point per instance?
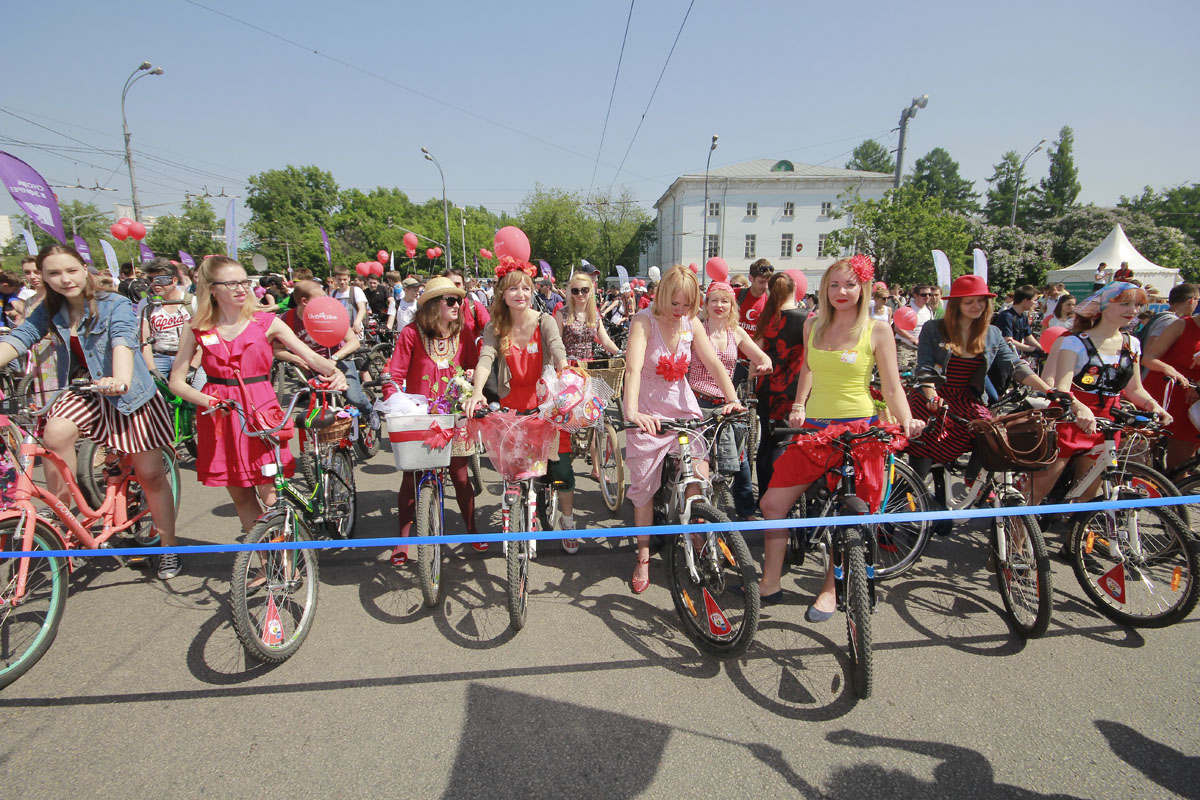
(1099, 300)
(718, 286)
(509, 264)
(863, 268)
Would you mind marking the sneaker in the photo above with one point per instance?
(168, 566)
(565, 523)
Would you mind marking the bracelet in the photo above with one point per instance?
(797, 406)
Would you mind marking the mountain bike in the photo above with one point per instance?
(600, 444)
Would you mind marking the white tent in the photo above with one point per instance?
(1115, 249)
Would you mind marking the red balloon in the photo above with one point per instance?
(431, 254)
(363, 268)
(326, 321)
(512, 242)
(1049, 335)
(905, 318)
(717, 269)
(119, 231)
(137, 230)
(552, 280)
(377, 269)
(410, 240)
(126, 221)
(411, 252)
(801, 282)
(437, 252)
(485, 253)
(694, 268)
(383, 256)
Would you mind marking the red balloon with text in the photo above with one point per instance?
(326, 321)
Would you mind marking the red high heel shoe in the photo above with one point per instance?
(640, 586)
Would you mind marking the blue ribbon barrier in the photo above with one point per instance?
(609, 533)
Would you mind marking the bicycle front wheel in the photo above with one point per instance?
(858, 616)
(274, 592)
(902, 543)
(612, 469)
(518, 555)
(28, 624)
(1023, 575)
(1139, 566)
(429, 556)
(719, 612)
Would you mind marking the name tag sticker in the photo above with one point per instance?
(531, 347)
(686, 336)
(849, 356)
(208, 339)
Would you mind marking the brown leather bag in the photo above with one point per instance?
(1018, 442)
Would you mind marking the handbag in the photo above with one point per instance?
(1018, 442)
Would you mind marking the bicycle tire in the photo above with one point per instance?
(1156, 589)
(744, 394)
(367, 443)
(341, 495)
(28, 630)
(1149, 482)
(1189, 485)
(858, 616)
(547, 507)
(517, 558)
(286, 380)
(720, 613)
(476, 471)
(288, 596)
(377, 360)
(902, 543)
(429, 556)
(611, 469)
(89, 471)
(1023, 579)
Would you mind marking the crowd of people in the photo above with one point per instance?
(688, 348)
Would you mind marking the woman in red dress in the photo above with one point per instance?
(1173, 359)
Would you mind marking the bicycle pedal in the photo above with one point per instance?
(108, 546)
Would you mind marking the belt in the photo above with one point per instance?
(234, 381)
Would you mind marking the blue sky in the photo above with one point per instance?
(507, 95)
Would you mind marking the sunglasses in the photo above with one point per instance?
(758, 273)
(451, 300)
(924, 294)
(580, 290)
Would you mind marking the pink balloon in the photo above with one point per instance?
(363, 268)
(717, 269)
(377, 269)
(485, 253)
(512, 242)
(137, 230)
(383, 256)
(437, 252)
(126, 221)
(431, 254)
(410, 240)
(905, 318)
(326, 321)
(411, 252)
(119, 231)
(801, 282)
(1049, 335)
(694, 268)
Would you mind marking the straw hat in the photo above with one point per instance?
(436, 287)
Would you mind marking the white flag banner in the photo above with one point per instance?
(623, 274)
(941, 265)
(110, 256)
(980, 263)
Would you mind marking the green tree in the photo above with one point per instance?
(1057, 192)
(288, 205)
(623, 230)
(1078, 232)
(194, 231)
(1001, 186)
(871, 156)
(1014, 256)
(559, 227)
(936, 175)
(900, 232)
(1177, 207)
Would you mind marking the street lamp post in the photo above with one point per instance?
(1017, 188)
(146, 68)
(462, 217)
(905, 116)
(445, 207)
(704, 235)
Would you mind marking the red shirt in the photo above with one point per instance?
(750, 308)
(412, 368)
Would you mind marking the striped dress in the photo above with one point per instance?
(945, 443)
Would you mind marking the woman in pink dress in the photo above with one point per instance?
(662, 343)
(236, 341)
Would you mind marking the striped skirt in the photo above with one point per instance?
(148, 428)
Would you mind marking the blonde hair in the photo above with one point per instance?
(825, 321)
(731, 316)
(582, 279)
(678, 279)
(206, 307)
(502, 321)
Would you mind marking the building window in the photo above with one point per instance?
(751, 245)
(714, 209)
(785, 246)
(783, 166)
(789, 209)
(826, 208)
(751, 209)
(821, 245)
(713, 251)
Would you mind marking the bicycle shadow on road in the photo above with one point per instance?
(1171, 769)
(216, 656)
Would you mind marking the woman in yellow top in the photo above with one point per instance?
(844, 344)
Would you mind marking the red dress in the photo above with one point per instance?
(1179, 356)
(524, 369)
(227, 456)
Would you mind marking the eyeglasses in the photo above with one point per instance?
(924, 294)
(580, 290)
(451, 300)
(232, 285)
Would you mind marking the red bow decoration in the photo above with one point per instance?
(438, 437)
(863, 268)
(673, 368)
(509, 264)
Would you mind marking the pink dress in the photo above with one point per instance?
(665, 394)
(227, 456)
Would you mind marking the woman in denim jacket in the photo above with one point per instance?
(95, 335)
(954, 355)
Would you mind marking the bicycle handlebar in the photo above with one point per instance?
(236, 407)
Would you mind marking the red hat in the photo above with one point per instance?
(969, 286)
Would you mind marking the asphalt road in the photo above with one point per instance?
(147, 692)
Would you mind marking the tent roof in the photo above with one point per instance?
(1116, 248)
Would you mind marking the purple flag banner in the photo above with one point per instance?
(110, 256)
(325, 241)
(187, 259)
(82, 247)
(231, 231)
(30, 244)
(32, 194)
(147, 253)
(546, 271)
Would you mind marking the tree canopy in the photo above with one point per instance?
(936, 175)
(1057, 192)
(871, 156)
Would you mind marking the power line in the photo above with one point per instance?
(612, 94)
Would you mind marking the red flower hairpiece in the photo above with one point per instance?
(863, 267)
(509, 264)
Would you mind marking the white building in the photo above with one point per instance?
(778, 210)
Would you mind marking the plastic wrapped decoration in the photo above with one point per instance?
(519, 446)
(573, 400)
(401, 403)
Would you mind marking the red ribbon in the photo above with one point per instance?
(435, 438)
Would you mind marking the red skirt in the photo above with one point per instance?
(812, 456)
(1072, 440)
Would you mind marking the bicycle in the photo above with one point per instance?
(711, 576)
(365, 433)
(183, 413)
(600, 444)
(273, 593)
(33, 590)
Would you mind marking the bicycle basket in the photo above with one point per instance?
(420, 441)
(1018, 442)
(519, 447)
